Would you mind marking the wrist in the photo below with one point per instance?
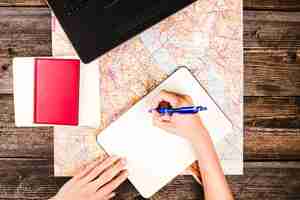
(190, 126)
(197, 134)
(202, 143)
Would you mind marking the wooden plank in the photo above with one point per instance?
(268, 180)
(282, 5)
(23, 32)
(272, 112)
(22, 142)
(272, 53)
(271, 29)
(272, 128)
(28, 179)
(272, 71)
(271, 144)
(23, 3)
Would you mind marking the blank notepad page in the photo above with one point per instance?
(154, 156)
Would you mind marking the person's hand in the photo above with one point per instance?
(187, 126)
(96, 182)
(191, 127)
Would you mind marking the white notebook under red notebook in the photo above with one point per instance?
(56, 91)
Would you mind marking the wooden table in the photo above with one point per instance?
(272, 107)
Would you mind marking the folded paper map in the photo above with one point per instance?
(206, 37)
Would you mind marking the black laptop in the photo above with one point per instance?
(96, 26)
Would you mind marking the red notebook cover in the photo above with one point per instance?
(56, 97)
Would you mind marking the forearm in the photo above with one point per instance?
(214, 181)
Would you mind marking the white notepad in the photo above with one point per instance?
(89, 93)
(154, 156)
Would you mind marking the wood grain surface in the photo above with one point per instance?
(23, 3)
(262, 180)
(272, 52)
(272, 128)
(272, 59)
(268, 181)
(272, 107)
(272, 71)
(274, 5)
(22, 142)
(271, 29)
(272, 131)
(23, 32)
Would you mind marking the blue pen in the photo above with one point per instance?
(182, 110)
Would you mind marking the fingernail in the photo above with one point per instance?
(126, 173)
(124, 161)
(112, 195)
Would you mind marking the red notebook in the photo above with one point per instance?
(56, 96)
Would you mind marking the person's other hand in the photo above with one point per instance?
(96, 182)
(187, 126)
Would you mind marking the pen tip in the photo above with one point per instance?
(202, 108)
